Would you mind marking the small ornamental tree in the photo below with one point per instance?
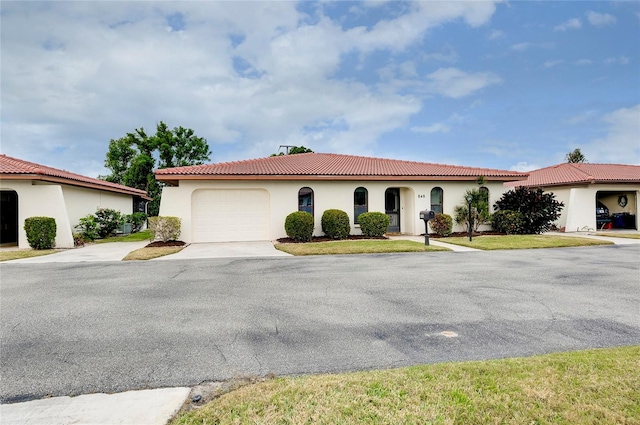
(41, 232)
(479, 210)
(335, 224)
(539, 210)
(373, 224)
(299, 226)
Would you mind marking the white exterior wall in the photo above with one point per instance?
(580, 204)
(66, 204)
(81, 202)
(283, 198)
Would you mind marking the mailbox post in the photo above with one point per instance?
(426, 216)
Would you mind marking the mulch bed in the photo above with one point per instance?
(157, 244)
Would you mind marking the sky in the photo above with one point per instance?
(509, 85)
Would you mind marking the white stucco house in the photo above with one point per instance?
(249, 200)
(595, 196)
(28, 189)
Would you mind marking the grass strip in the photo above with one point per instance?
(355, 247)
(523, 242)
(584, 387)
(24, 253)
(620, 235)
(150, 253)
(144, 235)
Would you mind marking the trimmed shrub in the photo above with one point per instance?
(509, 222)
(137, 220)
(164, 228)
(442, 225)
(373, 224)
(88, 228)
(538, 209)
(41, 232)
(335, 224)
(299, 226)
(108, 221)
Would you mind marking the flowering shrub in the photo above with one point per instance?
(164, 228)
(108, 221)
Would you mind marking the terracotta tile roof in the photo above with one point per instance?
(332, 166)
(581, 173)
(14, 168)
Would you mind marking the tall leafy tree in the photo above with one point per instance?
(575, 157)
(132, 158)
(292, 150)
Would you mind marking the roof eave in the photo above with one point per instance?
(78, 183)
(173, 178)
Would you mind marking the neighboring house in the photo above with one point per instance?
(595, 196)
(29, 189)
(249, 200)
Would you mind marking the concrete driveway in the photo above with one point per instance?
(116, 251)
(113, 251)
(226, 250)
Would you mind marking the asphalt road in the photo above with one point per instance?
(71, 329)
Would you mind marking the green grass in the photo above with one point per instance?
(585, 387)
(355, 247)
(24, 253)
(144, 235)
(620, 235)
(152, 252)
(523, 242)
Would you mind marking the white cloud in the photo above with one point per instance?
(496, 34)
(524, 167)
(571, 24)
(577, 119)
(622, 60)
(255, 77)
(434, 128)
(600, 19)
(521, 47)
(454, 83)
(582, 62)
(621, 143)
(552, 63)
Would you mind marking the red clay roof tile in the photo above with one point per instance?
(334, 165)
(581, 173)
(14, 167)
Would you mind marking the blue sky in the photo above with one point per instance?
(509, 85)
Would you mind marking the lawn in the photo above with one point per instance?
(523, 242)
(355, 247)
(153, 252)
(144, 235)
(585, 387)
(24, 253)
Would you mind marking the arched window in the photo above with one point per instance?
(305, 200)
(360, 203)
(485, 194)
(436, 200)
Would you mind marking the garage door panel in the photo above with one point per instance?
(224, 215)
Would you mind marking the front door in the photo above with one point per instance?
(392, 208)
(9, 217)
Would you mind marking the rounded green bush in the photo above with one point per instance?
(442, 225)
(299, 226)
(41, 232)
(335, 224)
(373, 224)
(509, 222)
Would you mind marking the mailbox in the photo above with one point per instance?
(427, 215)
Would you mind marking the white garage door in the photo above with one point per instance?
(222, 215)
